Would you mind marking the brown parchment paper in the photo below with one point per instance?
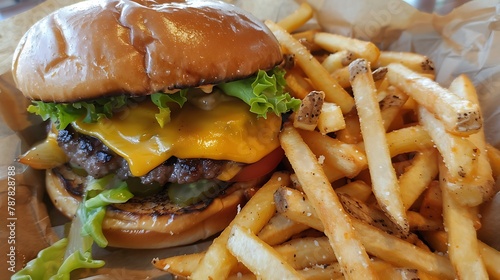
(464, 41)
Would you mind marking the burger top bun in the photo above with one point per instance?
(107, 47)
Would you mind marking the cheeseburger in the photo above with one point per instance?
(162, 114)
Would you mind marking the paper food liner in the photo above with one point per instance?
(462, 41)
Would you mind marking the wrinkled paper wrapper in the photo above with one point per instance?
(462, 41)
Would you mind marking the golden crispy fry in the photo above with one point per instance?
(351, 134)
(181, 265)
(306, 252)
(297, 84)
(459, 153)
(306, 38)
(337, 225)
(415, 180)
(333, 43)
(478, 187)
(318, 75)
(384, 181)
(420, 223)
(463, 247)
(431, 206)
(334, 153)
(414, 61)
(342, 77)
(408, 139)
(298, 18)
(337, 60)
(377, 242)
(218, 262)
(331, 118)
(494, 159)
(317, 272)
(391, 105)
(356, 189)
(438, 240)
(458, 115)
(279, 229)
(491, 259)
(258, 256)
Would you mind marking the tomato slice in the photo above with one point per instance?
(260, 168)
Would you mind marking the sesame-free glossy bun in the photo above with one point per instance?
(108, 47)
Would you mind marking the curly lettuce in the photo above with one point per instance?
(63, 114)
(263, 92)
(75, 251)
(58, 260)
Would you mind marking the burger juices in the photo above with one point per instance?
(163, 114)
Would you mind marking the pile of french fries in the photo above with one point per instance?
(388, 171)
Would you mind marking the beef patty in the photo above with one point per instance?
(98, 160)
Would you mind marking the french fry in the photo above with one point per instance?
(459, 153)
(373, 217)
(218, 261)
(258, 256)
(414, 61)
(332, 271)
(391, 105)
(318, 75)
(337, 60)
(343, 239)
(470, 175)
(408, 139)
(420, 223)
(431, 206)
(458, 115)
(180, 265)
(463, 247)
(342, 77)
(317, 272)
(306, 38)
(341, 156)
(330, 119)
(307, 116)
(377, 242)
(494, 159)
(491, 257)
(479, 186)
(356, 189)
(384, 180)
(334, 42)
(298, 18)
(415, 180)
(297, 84)
(306, 252)
(351, 134)
(279, 229)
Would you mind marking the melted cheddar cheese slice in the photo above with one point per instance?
(228, 132)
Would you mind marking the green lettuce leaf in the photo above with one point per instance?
(162, 100)
(264, 93)
(75, 251)
(52, 263)
(99, 194)
(63, 114)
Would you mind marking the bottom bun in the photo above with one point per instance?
(157, 226)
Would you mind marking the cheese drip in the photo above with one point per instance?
(229, 132)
